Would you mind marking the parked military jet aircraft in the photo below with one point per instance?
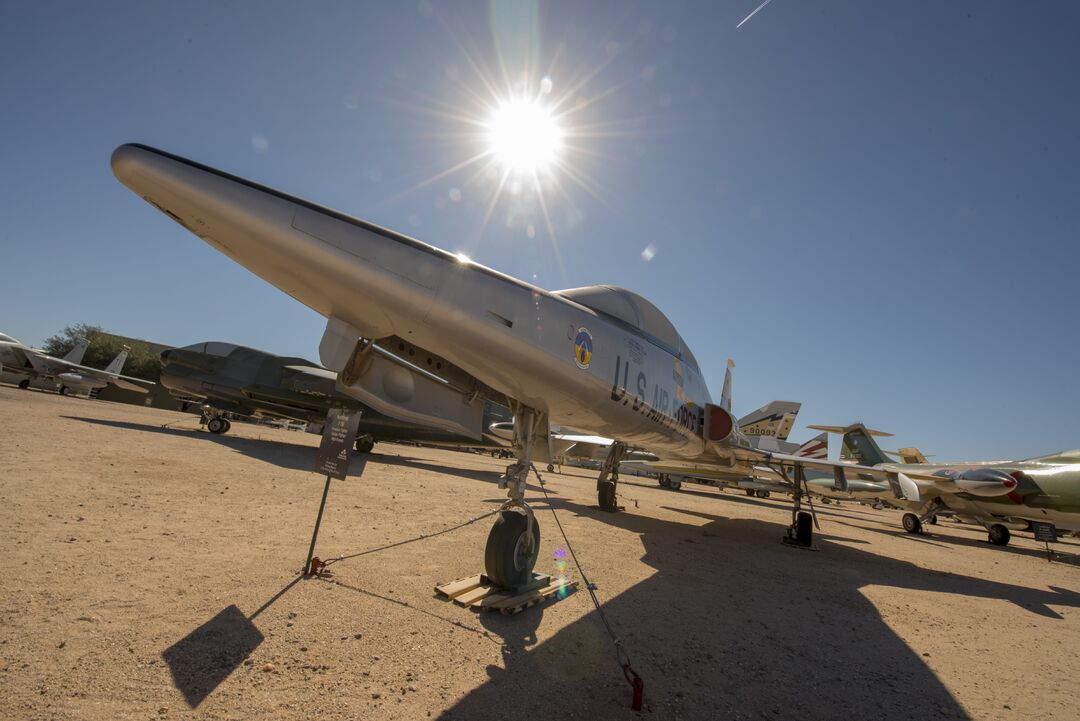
(999, 495)
(600, 359)
(234, 379)
(67, 371)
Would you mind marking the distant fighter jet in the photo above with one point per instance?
(600, 359)
(67, 371)
(230, 378)
(999, 495)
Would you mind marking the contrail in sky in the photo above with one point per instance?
(753, 13)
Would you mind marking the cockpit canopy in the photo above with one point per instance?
(212, 348)
(5, 338)
(634, 311)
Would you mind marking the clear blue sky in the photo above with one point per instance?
(871, 207)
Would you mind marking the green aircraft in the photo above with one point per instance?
(1002, 496)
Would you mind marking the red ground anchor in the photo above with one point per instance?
(316, 566)
(639, 686)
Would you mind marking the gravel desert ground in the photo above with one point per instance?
(152, 573)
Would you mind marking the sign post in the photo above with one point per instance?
(333, 460)
(1046, 533)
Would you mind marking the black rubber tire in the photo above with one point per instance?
(750, 492)
(503, 563)
(216, 425)
(761, 494)
(911, 523)
(63, 390)
(998, 535)
(228, 426)
(605, 494)
(664, 480)
(804, 528)
(674, 483)
(364, 445)
(551, 468)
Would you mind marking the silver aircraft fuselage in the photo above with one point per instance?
(594, 368)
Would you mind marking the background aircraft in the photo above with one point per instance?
(66, 371)
(999, 495)
(600, 358)
(235, 379)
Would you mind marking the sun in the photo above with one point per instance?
(524, 136)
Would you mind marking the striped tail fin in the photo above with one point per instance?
(817, 448)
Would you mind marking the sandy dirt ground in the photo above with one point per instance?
(152, 573)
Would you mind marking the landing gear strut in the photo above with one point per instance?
(608, 479)
(24, 383)
(513, 543)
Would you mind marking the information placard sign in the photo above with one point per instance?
(1044, 531)
(337, 439)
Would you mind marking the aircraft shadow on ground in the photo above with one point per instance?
(491, 477)
(279, 453)
(728, 627)
(945, 541)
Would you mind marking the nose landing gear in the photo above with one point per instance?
(513, 544)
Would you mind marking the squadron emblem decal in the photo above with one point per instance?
(583, 348)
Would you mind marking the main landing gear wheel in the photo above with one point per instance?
(364, 445)
(605, 494)
(664, 480)
(551, 468)
(63, 390)
(761, 494)
(998, 535)
(675, 483)
(24, 383)
(511, 554)
(911, 522)
(750, 492)
(217, 424)
(608, 479)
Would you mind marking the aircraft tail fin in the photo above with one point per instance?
(773, 420)
(725, 395)
(817, 447)
(117, 363)
(912, 455)
(75, 355)
(859, 444)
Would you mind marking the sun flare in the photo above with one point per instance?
(524, 136)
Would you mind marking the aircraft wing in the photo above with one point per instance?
(576, 438)
(313, 371)
(785, 461)
(126, 383)
(26, 360)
